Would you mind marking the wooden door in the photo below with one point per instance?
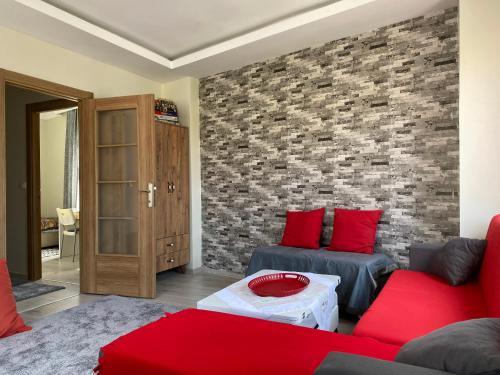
(118, 183)
(172, 172)
(163, 181)
(173, 215)
(181, 180)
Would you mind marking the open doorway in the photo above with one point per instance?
(16, 92)
(58, 168)
(42, 170)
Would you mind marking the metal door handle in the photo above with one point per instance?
(151, 194)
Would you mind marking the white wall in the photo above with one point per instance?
(479, 34)
(30, 56)
(24, 54)
(185, 93)
(27, 55)
(52, 145)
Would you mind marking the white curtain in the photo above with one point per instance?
(72, 162)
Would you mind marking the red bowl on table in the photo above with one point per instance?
(278, 284)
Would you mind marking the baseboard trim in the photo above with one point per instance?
(48, 303)
(219, 272)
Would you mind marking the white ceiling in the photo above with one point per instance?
(176, 28)
(164, 40)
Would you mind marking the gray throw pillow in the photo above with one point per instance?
(471, 347)
(458, 260)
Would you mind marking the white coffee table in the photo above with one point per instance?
(315, 306)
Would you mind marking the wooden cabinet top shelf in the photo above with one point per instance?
(158, 122)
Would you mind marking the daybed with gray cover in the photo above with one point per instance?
(359, 273)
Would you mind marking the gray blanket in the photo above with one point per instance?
(358, 272)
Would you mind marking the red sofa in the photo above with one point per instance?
(414, 303)
(194, 342)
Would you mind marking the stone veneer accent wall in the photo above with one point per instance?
(369, 121)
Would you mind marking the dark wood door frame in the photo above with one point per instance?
(33, 180)
(46, 87)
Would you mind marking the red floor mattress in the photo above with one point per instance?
(203, 342)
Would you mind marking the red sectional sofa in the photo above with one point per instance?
(194, 342)
(414, 303)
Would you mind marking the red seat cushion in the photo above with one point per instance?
(354, 230)
(413, 304)
(303, 229)
(489, 276)
(10, 321)
(210, 343)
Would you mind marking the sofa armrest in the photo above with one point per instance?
(421, 255)
(350, 364)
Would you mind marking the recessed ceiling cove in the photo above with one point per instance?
(176, 28)
(164, 40)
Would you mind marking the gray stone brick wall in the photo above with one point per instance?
(369, 121)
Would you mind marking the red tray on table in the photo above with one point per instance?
(278, 284)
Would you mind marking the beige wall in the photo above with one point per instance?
(17, 203)
(52, 145)
(27, 55)
(185, 93)
(479, 115)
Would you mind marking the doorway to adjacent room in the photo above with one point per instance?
(40, 205)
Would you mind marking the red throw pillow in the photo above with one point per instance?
(10, 321)
(303, 228)
(354, 230)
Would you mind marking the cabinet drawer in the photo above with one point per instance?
(171, 260)
(171, 244)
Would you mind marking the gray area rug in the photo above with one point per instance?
(68, 342)
(17, 279)
(33, 289)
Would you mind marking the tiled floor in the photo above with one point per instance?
(172, 288)
(55, 272)
(62, 270)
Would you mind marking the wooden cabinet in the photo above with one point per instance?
(172, 196)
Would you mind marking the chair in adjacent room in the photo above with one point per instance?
(69, 228)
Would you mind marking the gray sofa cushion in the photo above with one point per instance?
(422, 256)
(458, 260)
(471, 347)
(351, 364)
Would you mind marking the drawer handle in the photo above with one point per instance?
(171, 260)
(171, 244)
